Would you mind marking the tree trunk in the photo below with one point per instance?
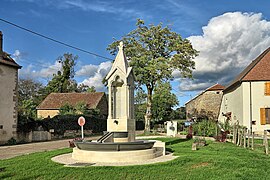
(148, 114)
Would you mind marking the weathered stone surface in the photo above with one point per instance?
(205, 105)
(8, 95)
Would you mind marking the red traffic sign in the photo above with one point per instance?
(81, 121)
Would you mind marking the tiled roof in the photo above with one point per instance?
(257, 70)
(215, 87)
(57, 100)
(7, 60)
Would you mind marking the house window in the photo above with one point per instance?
(1, 126)
(267, 88)
(265, 116)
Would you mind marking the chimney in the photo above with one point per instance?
(1, 42)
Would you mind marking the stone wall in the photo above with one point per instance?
(34, 136)
(8, 102)
(205, 106)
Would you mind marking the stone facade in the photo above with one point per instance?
(8, 96)
(121, 97)
(206, 105)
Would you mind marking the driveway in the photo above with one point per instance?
(7, 152)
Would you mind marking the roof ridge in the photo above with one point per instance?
(256, 61)
(54, 100)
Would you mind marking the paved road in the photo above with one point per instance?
(7, 152)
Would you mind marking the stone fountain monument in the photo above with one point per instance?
(118, 144)
(121, 99)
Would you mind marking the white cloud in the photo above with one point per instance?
(94, 73)
(18, 55)
(46, 71)
(96, 76)
(87, 70)
(228, 44)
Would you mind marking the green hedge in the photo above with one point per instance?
(26, 124)
(61, 123)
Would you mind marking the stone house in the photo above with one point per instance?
(246, 100)
(8, 95)
(50, 106)
(205, 105)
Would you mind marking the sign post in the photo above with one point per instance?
(81, 122)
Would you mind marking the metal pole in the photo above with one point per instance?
(250, 107)
(82, 132)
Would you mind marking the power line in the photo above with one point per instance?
(54, 40)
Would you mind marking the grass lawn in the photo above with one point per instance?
(215, 161)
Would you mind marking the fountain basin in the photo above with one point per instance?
(117, 146)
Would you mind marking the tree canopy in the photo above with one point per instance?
(155, 52)
(63, 81)
(163, 101)
(30, 95)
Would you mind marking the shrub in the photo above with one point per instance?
(205, 128)
(25, 124)
(12, 141)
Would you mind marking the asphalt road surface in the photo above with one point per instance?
(7, 152)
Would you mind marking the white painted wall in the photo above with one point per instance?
(238, 102)
(259, 100)
(232, 102)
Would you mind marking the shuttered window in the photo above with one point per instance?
(267, 89)
(262, 113)
(265, 116)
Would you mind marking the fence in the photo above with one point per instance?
(242, 137)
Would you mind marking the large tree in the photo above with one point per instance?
(63, 81)
(31, 93)
(163, 101)
(140, 104)
(155, 52)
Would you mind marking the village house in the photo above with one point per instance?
(50, 106)
(8, 95)
(246, 100)
(205, 105)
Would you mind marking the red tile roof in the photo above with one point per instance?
(57, 100)
(215, 87)
(257, 70)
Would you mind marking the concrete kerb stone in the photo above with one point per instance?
(67, 160)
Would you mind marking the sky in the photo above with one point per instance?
(228, 34)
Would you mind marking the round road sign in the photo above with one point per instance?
(81, 121)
